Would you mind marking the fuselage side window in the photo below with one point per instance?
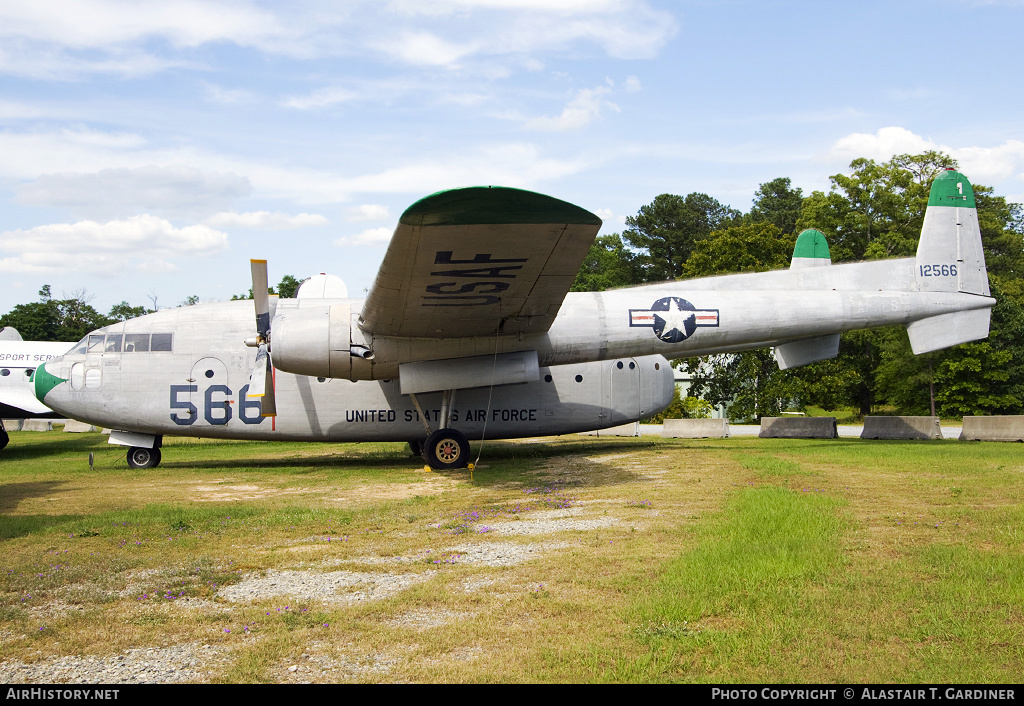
(161, 342)
(136, 343)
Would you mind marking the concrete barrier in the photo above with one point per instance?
(13, 424)
(631, 429)
(1009, 427)
(798, 428)
(37, 425)
(76, 427)
(901, 428)
(695, 429)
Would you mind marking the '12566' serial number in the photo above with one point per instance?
(937, 270)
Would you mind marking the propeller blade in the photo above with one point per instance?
(258, 379)
(261, 297)
(261, 382)
(268, 405)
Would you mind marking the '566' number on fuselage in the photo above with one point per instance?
(217, 405)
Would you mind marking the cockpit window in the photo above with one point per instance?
(161, 342)
(127, 343)
(136, 343)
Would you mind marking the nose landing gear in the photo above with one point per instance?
(141, 457)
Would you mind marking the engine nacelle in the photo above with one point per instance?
(318, 341)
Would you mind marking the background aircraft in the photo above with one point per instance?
(18, 362)
(470, 332)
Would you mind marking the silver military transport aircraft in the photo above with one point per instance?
(469, 331)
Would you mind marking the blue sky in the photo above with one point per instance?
(150, 149)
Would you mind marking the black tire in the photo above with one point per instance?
(416, 448)
(4, 437)
(446, 448)
(141, 457)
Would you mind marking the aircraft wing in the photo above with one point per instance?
(478, 261)
(22, 398)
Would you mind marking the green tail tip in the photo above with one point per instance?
(812, 244)
(951, 188)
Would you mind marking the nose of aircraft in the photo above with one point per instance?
(44, 382)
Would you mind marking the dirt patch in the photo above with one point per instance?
(397, 491)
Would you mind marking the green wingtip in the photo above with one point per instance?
(812, 243)
(951, 188)
(44, 382)
(479, 205)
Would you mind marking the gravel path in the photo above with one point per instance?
(149, 665)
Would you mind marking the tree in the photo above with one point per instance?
(288, 287)
(125, 311)
(876, 211)
(51, 319)
(665, 232)
(608, 264)
(754, 247)
(778, 203)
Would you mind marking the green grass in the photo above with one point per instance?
(730, 560)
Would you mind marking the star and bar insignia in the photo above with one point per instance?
(673, 319)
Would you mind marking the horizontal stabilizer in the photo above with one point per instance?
(947, 330)
(463, 373)
(809, 350)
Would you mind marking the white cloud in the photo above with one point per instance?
(141, 242)
(92, 24)
(228, 96)
(373, 237)
(111, 193)
(424, 48)
(67, 39)
(582, 109)
(320, 98)
(982, 165)
(368, 212)
(265, 220)
(885, 143)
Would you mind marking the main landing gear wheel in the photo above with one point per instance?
(141, 457)
(4, 437)
(446, 448)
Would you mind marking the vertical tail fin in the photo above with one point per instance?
(950, 259)
(949, 254)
